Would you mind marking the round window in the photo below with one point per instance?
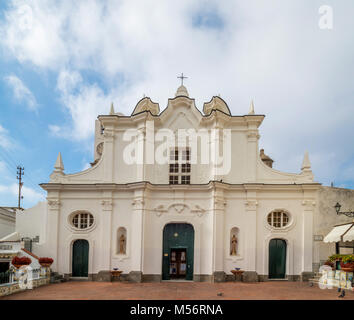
(278, 219)
(82, 220)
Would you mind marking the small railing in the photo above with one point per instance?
(12, 276)
(7, 277)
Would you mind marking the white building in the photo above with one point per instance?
(7, 220)
(187, 219)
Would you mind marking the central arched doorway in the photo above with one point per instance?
(80, 258)
(277, 259)
(178, 251)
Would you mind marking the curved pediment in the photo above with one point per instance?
(216, 103)
(146, 104)
(181, 107)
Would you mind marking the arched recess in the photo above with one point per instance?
(121, 241)
(234, 241)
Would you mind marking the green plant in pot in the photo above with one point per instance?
(347, 263)
(335, 257)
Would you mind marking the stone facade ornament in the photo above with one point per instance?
(179, 207)
(54, 204)
(159, 210)
(251, 204)
(107, 205)
(198, 210)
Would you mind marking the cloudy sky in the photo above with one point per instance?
(63, 62)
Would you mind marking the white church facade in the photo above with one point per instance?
(184, 218)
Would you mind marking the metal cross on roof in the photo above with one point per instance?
(182, 77)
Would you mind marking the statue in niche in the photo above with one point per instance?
(233, 245)
(122, 244)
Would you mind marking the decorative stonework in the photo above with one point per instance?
(107, 205)
(138, 203)
(179, 207)
(253, 136)
(219, 203)
(251, 205)
(54, 204)
(108, 134)
(99, 148)
(198, 210)
(159, 210)
(56, 176)
(309, 204)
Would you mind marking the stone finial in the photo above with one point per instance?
(306, 164)
(112, 110)
(59, 166)
(182, 91)
(251, 108)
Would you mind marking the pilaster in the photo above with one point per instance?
(106, 231)
(53, 229)
(108, 151)
(307, 234)
(137, 238)
(219, 204)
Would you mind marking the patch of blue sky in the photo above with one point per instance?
(208, 18)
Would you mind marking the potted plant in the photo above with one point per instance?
(17, 262)
(45, 262)
(336, 257)
(347, 263)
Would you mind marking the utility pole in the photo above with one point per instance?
(20, 173)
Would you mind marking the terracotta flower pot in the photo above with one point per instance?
(45, 265)
(18, 266)
(347, 267)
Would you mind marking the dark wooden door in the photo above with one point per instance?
(80, 258)
(277, 258)
(178, 238)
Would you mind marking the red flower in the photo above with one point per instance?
(21, 261)
(45, 260)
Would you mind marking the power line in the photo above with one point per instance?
(8, 159)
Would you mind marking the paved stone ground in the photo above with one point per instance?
(271, 290)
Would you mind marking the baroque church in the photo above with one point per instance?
(157, 211)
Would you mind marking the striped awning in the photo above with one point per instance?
(339, 232)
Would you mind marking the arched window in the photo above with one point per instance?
(234, 241)
(82, 220)
(278, 219)
(121, 241)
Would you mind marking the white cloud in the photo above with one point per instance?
(5, 140)
(84, 103)
(9, 193)
(298, 75)
(21, 92)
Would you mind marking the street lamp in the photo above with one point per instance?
(348, 214)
